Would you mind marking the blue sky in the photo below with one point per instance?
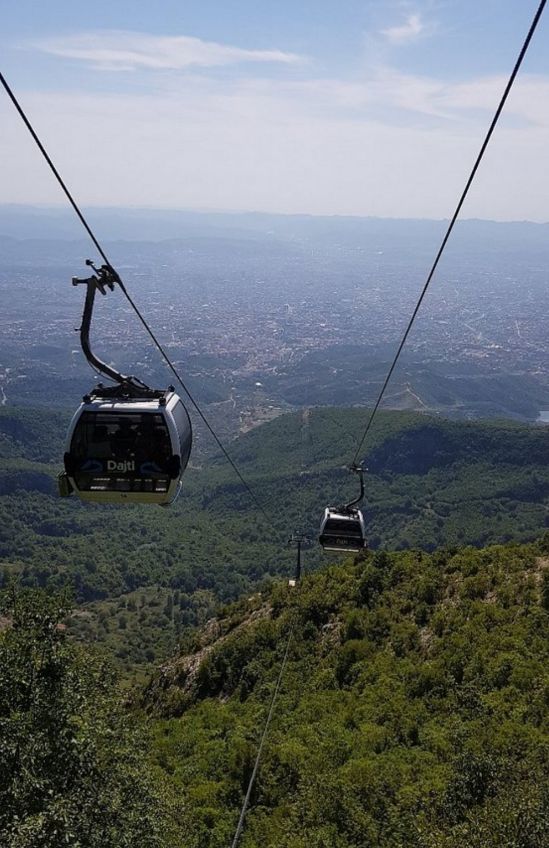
(362, 108)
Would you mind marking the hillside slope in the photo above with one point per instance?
(431, 482)
(414, 710)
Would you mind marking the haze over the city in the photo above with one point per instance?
(266, 313)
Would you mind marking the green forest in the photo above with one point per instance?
(140, 647)
(143, 576)
(413, 712)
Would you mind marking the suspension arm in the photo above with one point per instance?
(360, 471)
(105, 278)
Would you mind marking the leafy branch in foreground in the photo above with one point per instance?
(72, 770)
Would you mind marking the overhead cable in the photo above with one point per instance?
(246, 802)
(453, 220)
(105, 258)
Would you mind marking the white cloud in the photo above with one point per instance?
(413, 29)
(316, 146)
(125, 50)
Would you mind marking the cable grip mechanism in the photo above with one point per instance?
(105, 277)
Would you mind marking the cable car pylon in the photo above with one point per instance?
(298, 541)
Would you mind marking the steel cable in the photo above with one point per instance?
(251, 783)
(105, 258)
(453, 220)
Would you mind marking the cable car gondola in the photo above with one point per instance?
(126, 443)
(342, 528)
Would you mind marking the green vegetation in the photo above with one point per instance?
(414, 710)
(143, 627)
(31, 434)
(72, 769)
(430, 483)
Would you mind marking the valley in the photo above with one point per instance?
(430, 483)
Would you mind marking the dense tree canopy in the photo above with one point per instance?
(72, 771)
(414, 711)
(430, 483)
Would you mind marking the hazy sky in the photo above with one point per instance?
(359, 108)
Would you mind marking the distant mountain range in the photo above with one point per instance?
(382, 234)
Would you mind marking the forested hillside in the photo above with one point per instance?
(413, 711)
(74, 764)
(430, 483)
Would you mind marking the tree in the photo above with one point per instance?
(72, 771)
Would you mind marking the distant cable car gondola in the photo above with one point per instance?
(342, 528)
(126, 443)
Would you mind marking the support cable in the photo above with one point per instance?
(216, 438)
(105, 258)
(54, 170)
(298, 539)
(453, 220)
(240, 825)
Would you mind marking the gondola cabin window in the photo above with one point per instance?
(124, 452)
